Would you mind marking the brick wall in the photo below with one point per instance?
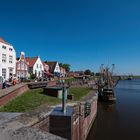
(43, 125)
(13, 94)
(87, 122)
(82, 124)
(51, 83)
(79, 125)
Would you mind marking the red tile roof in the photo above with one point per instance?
(3, 41)
(31, 61)
(44, 64)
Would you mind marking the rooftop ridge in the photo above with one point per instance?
(3, 41)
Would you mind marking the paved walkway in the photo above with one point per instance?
(12, 129)
(5, 117)
(4, 92)
(16, 127)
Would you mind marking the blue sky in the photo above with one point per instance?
(83, 33)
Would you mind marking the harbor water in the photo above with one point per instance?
(120, 120)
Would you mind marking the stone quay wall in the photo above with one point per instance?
(80, 124)
(11, 94)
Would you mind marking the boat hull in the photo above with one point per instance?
(107, 95)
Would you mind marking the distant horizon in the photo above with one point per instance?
(82, 33)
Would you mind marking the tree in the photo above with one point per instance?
(67, 67)
(32, 76)
(60, 64)
(92, 73)
(97, 74)
(88, 72)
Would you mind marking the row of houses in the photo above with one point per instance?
(24, 67)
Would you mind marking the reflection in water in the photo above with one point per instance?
(121, 120)
(109, 107)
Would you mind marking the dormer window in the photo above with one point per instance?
(4, 47)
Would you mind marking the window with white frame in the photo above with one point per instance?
(10, 59)
(36, 65)
(4, 47)
(18, 66)
(26, 74)
(10, 72)
(4, 73)
(10, 49)
(25, 67)
(56, 68)
(18, 74)
(22, 74)
(3, 57)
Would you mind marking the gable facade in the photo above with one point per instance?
(22, 67)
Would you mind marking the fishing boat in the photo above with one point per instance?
(130, 77)
(106, 84)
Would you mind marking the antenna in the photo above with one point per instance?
(113, 67)
(101, 68)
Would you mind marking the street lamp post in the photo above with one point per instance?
(63, 97)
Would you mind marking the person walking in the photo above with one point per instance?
(4, 83)
(14, 81)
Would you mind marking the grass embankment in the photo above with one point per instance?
(29, 100)
(79, 92)
(136, 77)
(34, 98)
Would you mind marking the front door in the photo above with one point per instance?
(10, 73)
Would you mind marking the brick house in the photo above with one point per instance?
(73, 74)
(22, 67)
(47, 73)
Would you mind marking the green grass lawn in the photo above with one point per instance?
(34, 98)
(79, 92)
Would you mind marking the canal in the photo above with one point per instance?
(119, 121)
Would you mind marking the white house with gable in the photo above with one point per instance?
(7, 60)
(54, 67)
(35, 66)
